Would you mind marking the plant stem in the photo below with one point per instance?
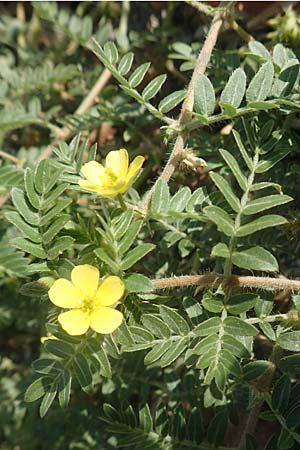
(121, 201)
(188, 104)
(244, 282)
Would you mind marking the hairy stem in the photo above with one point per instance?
(244, 282)
(188, 104)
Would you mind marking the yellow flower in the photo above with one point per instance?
(89, 303)
(113, 179)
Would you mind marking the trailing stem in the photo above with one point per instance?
(188, 104)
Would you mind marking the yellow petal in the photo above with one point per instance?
(134, 169)
(74, 322)
(63, 294)
(117, 161)
(110, 291)
(86, 278)
(106, 320)
(113, 190)
(94, 172)
(85, 184)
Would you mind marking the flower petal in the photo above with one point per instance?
(94, 172)
(134, 169)
(117, 161)
(106, 320)
(85, 184)
(110, 291)
(86, 278)
(63, 294)
(113, 190)
(74, 322)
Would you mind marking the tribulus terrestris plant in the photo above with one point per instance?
(149, 243)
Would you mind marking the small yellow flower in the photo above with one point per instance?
(113, 179)
(90, 304)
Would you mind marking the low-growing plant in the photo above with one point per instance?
(163, 281)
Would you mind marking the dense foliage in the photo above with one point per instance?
(200, 246)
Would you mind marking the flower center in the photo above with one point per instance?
(111, 175)
(87, 304)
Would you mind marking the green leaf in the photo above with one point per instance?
(135, 255)
(228, 110)
(271, 220)
(55, 228)
(221, 250)
(174, 352)
(101, 254)
(263, 203)
(290, 341)
(280, 55)
(123, 335)
(290, 364)
(205, 98)
(37, 389)
(141, 335)
(221, 218)
(30, 190)
(235, 169)
(255, 369)
(41, 176)
(293, 418)
(145, 419)
(122, 224)
(158, 351)
(57, 209)
(256, 258)
(53, 195)
(206, 344)
(234, 90)
(125, 64)
(20, 203)
(281, 393)
(260, 86)
(64, 389)
(82, 371)
(278, 155)
(234, 346)
(29, 247)
(174, 320)
(30, 232)
(226, 190)
(138, 75)
(48, 400)
(171, 101)
(217, 429)
(130, 236)
(286, 80)
(161, 197)
(180, 199)
(208, 327)
(59, 348)
(197, 198)
(242, 149)
(238, 327)
(60, 245)
(156, 326)
(241, 303)
(212, 302)
(138, 283)
(259, 49)
(111, 52)
(262, 106)
(153, 87)
(265, 185)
